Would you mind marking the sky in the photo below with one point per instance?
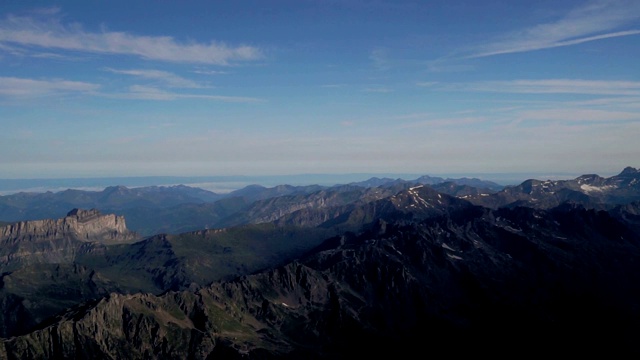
(209, 88)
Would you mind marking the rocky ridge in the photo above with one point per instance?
(590, 190)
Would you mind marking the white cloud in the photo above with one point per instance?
(210, 72)
(553, 86)
(596, 20)
(51, 34)
(380, 59)
(445, 122)
(619, 102)
(142, 92)
(148, 93)
(577, 114)
(412, 116)
(333, 85)
(426, 83)
(382, 90)
(447, 65)
(168, 78)
(20, 87)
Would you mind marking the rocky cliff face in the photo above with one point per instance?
(59, 240)
(84, 225)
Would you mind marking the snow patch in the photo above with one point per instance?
(510, 229)
(418, 199)
(590, 188)
(447, 247)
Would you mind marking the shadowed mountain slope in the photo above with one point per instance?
(49, 265)
(429, 280)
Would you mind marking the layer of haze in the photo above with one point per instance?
(203, 88)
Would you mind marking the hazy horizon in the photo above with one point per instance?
(123, 89)
(225, 184)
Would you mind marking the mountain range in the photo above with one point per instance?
(385, 268)
(174, 209)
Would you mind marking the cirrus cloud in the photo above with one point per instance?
(170, 79)
(46, 31)
(596, 20)
(21, 87)
(552, 86)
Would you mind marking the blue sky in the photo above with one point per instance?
(188, 88)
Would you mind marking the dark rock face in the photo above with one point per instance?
(483, 282)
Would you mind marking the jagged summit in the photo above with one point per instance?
(629, 171)
(588, 189)
(84, 215)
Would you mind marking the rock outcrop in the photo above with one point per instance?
(79, 224)
(55, 241)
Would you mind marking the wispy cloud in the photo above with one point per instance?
(347, 123)
(444, 122)
(577, 114)
(167, 78)
(619, 102)
(140, 92)
(333, 86)
(378, 89)
(21, 87)
(126, 139)
(27, 88)
(412, 116)
(47, 31)
(597, 20)
(552, 86)
(210, 72)
(380, 59)
(162, 126)
(448, 64)
(426, 83)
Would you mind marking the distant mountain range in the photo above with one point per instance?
(217, 184)
(382, 268)
(589, 190)
(173, 209)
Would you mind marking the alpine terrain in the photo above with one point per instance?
(383, 268)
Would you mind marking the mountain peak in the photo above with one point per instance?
(629, 171)
(84, 215)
